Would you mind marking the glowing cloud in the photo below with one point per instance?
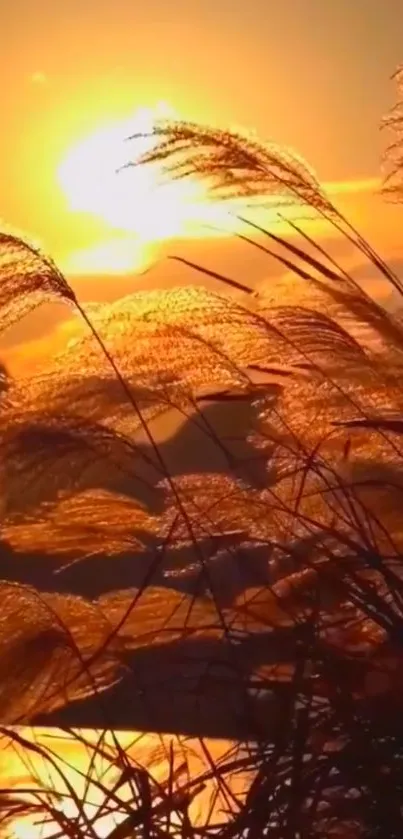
(119, 255)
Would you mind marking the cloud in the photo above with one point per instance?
(353, 186)
(27, 356)
(114, 256)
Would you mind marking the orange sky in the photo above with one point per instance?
(311, 74)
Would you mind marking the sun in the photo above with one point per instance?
(139, 205)
(134, 199)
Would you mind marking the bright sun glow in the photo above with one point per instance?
(88, 764)
(133, 200)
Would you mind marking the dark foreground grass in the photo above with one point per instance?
(324, 754)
